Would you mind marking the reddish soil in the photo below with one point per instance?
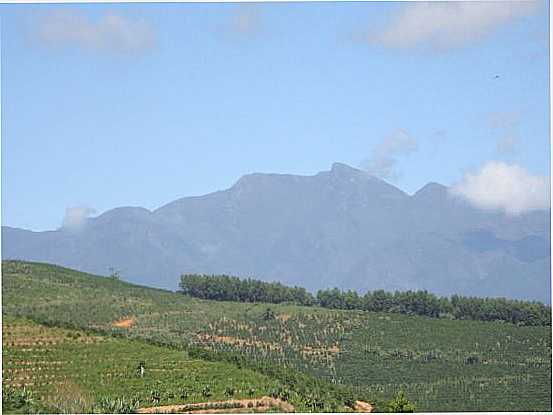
(255, 405)
(364, 407)
(124, 323)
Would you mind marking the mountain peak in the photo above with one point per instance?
(340, 227)
(342, 168)
(431, 188)
(123, 213)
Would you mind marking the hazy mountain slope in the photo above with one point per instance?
(341, 227)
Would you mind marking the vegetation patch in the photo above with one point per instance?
(326, 358)
(75, 377)
(226, 288)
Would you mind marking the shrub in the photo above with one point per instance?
(400, 404)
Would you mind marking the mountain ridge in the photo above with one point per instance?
(341, 227)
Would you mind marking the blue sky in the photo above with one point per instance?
(139, 104)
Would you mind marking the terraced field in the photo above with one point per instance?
(72, 370)
(442, 365)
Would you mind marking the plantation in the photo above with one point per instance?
(77, 371)
(331, 356)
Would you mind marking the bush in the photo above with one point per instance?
(400, 404)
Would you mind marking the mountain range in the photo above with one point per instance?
(342, 228)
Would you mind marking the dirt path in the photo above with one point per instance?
(231, 406)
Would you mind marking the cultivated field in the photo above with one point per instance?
(442, 365)
(75, 370)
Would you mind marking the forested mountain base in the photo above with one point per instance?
(441, 364)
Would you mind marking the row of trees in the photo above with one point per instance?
(226, 288)
(423, 303)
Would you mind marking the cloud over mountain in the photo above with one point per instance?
(76, 216)
(384, 158)
(506, 187)
(339, 228)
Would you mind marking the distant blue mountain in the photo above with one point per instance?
(340, 228)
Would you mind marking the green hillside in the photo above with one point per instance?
(442, 365)
(75, 371)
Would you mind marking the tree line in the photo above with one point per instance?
(227, 288)
(423, 303)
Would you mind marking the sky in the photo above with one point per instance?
(108, 105)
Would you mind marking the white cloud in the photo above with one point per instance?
(384, 158)
(111, 33)
(502, 186)
(75, 217)
(444, 25)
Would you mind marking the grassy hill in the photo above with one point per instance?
(442, 365)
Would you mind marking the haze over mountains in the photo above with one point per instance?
(341, 228)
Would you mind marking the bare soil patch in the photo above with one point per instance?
(364, 407)
(124, 323)
(232, 406)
